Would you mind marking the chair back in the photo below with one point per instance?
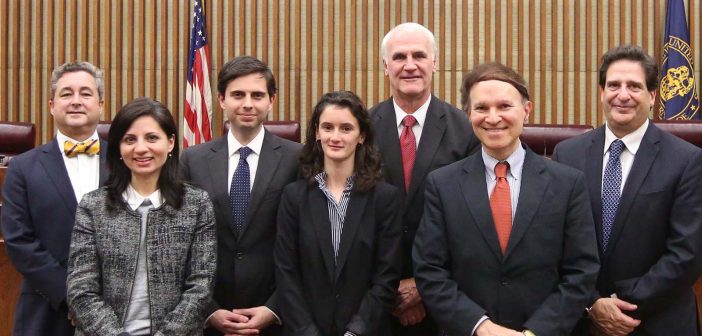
(542, 139)
(15, 138)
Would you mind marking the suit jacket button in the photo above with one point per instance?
(504, 283)
(337, 297)
(405, 228)
(239, 255)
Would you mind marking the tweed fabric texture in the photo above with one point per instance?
(181, 262)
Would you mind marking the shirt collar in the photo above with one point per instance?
(515, 160)
(420, 114)
(322, 181)
(134, 200)
(61, 139)
(255, 145)
(632, 141)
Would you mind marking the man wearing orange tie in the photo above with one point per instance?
(506, 244)
(41, 191)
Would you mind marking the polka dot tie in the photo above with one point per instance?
(408, 147)
(501, 205)
(611, 190)
(240, 191)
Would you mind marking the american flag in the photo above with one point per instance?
(198, 94)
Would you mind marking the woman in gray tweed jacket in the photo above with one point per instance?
(143, 251)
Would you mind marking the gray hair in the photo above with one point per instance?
(408, 26)
(76, 66)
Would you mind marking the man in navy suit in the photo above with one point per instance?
(41, 191)
(244, 299)
(416, 133)
(644, 187)
(506, 245)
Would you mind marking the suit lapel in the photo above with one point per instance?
(432, 132)
(53, 164)
(318, 205)
(354, 214)
(593, 174)
(533, 187)
(474, 190)
(267, 165)
(104, 172)
(648, 150)
(388, 143)
(218, 165)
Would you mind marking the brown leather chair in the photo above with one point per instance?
(103, 128)
(542, 139)
(690, 131)
(15, 138)
(285, 129)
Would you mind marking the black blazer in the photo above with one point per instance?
(550, 264)
(447, 137)
(319, 297)
(654, 252)
(38, 213)
(245, 276)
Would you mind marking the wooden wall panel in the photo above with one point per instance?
(315, 46)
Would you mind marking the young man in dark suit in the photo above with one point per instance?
(432, 132)
(244, 172)
(644, 186)
(41, 191)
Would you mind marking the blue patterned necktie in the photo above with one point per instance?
(611, 189)
(240, 190)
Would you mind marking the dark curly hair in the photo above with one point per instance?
(367, 163)
(169, 181)
(632, 53)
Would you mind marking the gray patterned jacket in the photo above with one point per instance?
(181, 262)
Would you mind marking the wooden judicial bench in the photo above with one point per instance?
(540, 138)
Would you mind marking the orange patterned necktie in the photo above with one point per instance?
(90, 147)
(501, 205)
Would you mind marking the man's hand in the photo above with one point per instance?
(488, 328)
(72, 318)
(608, 318)
(412, 315)
(258, 319)
(407, 295)
(228, 322)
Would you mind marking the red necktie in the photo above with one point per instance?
(501, 205)
(408, 146)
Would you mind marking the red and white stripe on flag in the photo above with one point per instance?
(198, 93)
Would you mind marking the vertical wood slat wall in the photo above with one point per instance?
(315, 46)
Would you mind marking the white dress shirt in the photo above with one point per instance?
(83, 170)
(514, 174)
(420, 115)
(632, 141)
(233, 146)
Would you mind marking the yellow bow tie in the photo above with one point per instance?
(90, 147)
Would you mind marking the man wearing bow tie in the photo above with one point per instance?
(41, 190)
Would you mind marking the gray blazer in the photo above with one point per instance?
(181, 259)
